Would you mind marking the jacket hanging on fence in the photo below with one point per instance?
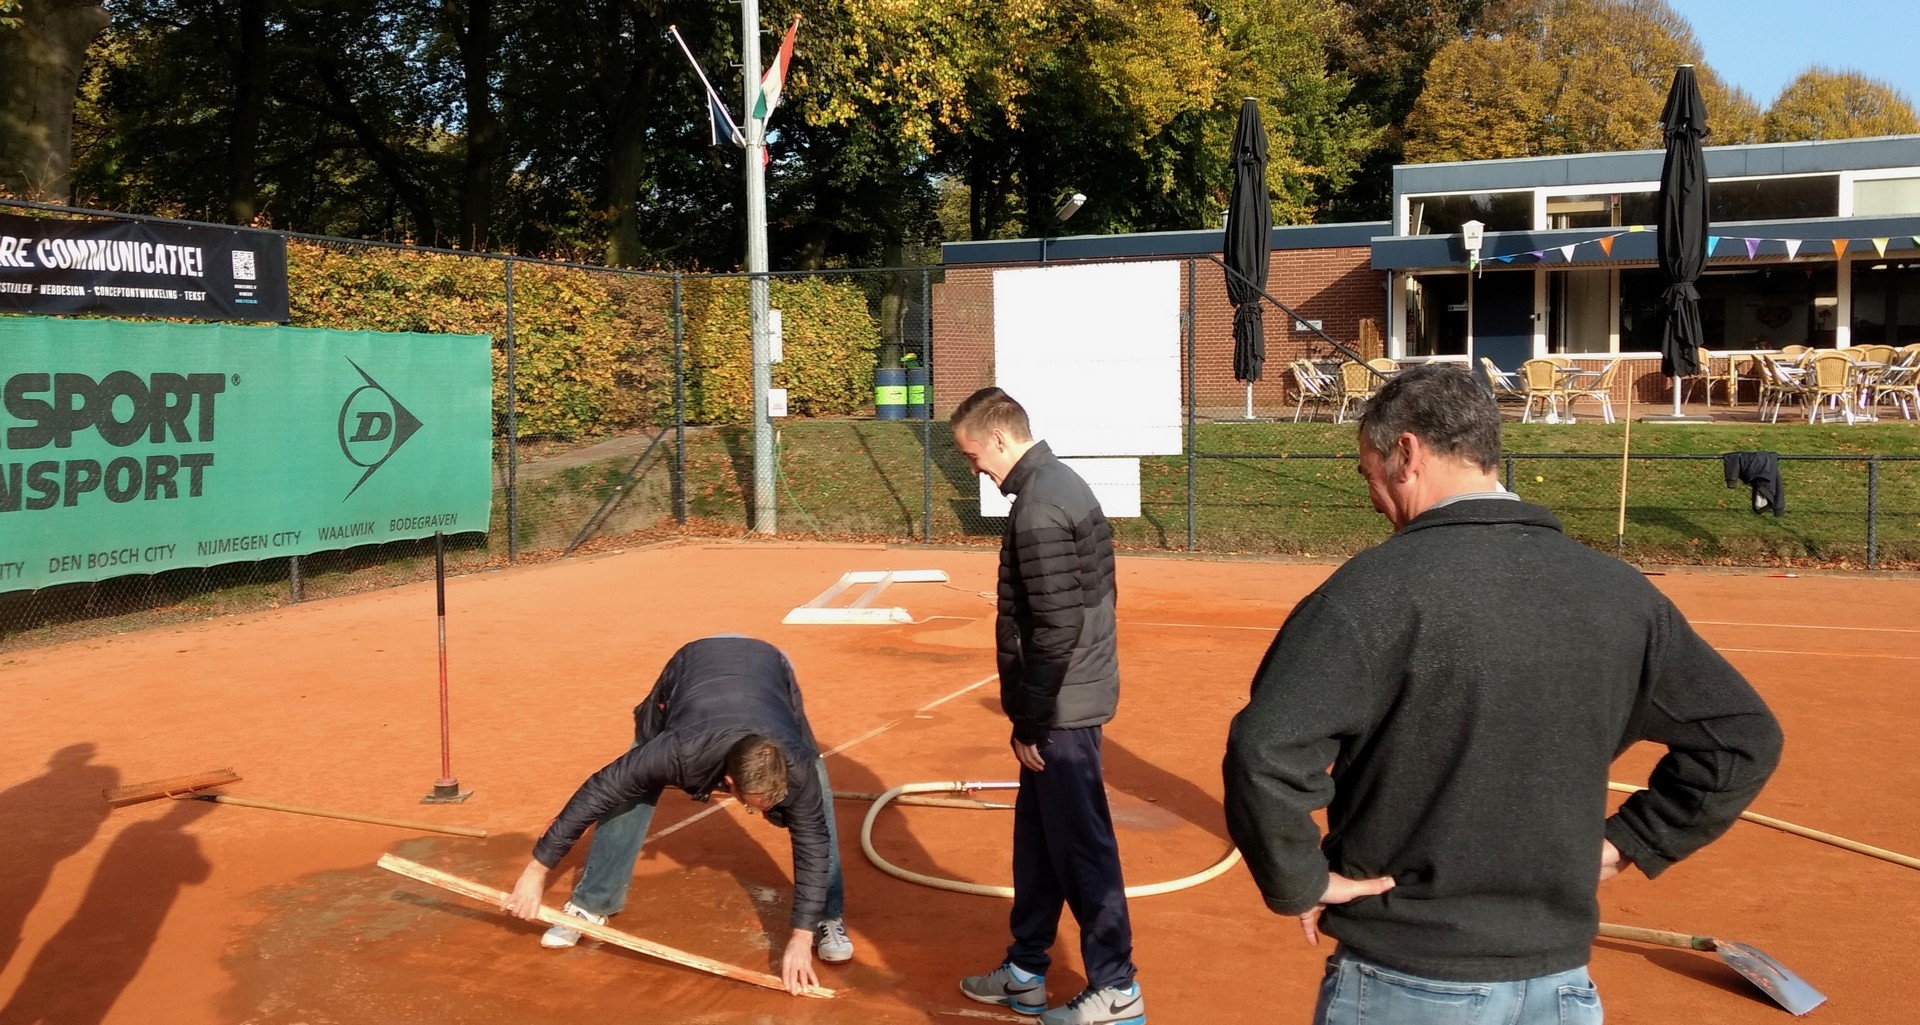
(1760, 471)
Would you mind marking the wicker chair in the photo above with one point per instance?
(1541, 378)
(1503, 382)
(1831, 377)
(1601, 391)
(1901, 383)
(1310, 384)
(1357, 385)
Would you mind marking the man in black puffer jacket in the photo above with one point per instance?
(1059, 681)
(725, 714)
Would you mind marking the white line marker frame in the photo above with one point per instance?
(862, 611)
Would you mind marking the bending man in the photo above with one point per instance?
(725, 714)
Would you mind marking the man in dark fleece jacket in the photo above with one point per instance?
(1470, 681)
(1059, 682)
(725, 714)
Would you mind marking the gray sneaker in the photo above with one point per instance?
(1000, 987)
(831, 942)
(1109, 1005)
(560, 936)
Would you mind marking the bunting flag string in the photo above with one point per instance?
(1751, 244)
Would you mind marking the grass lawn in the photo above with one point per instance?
(870, 479)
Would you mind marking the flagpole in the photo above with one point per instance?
(765, 507)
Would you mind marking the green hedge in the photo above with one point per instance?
(829, 338)
(595, 348)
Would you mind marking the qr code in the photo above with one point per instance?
(242, 265)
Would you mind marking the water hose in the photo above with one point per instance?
(1227, 861)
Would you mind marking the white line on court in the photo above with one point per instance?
(1822, 654)
(721, 803)
(1809, 626)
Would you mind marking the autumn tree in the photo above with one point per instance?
(1826, 104)
(43, 48)
(1540, 77)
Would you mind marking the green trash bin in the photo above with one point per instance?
(890, 394)
(919, 392)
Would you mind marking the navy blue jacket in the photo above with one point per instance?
(713, 692)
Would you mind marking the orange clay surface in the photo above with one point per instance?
(189, 912)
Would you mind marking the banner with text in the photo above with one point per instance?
(141, 269)
(143, 447)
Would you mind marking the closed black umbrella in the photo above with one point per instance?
(1683, 227)
(1249, 241)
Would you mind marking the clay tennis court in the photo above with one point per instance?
(189, 912)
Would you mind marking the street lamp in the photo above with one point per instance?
(1064, 208)
(1471, 234)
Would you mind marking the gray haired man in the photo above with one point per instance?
(1470, 681)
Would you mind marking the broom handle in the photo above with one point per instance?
(496, 898)
(1812, 834)
(1626, 445)
(1657, 936)
(324, 813)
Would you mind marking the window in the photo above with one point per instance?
(1443, 215)
(1886, 303)
(1770, 308)
(1603, 210)
(1774, 199)
(1437, 315)
(1881, 196)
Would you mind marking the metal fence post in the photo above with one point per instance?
(679, 407)
(1873, 512)
(1509, 473)
(513, 436)
(296, 588)
(1193, 440)
(926, 397)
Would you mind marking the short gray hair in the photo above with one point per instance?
(1441, 404)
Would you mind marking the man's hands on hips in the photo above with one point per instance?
(524, 901)
(1029, 755)
(1340, 890)
(796, 965)
(1612, 862)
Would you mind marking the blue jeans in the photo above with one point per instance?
(620, 833)
(1359, 992)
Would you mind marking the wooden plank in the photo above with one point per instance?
(173, 785)
(498, 898)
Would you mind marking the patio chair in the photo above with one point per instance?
(1831, 377)
(1703, 377)
(1872, 353)
(1793, 352)
(1739, 369)
(1357, 385)
(1503, 382)
(1384, 365)
(1778, 385)
(1601, 391)
(1310, 384)
(1901, 383)
(1541, 378)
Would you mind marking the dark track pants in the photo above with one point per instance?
(1064, 851)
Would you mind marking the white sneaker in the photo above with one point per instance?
(831, 942)
(560, 936)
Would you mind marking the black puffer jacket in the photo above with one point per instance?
(1059, 667)
(713, 692)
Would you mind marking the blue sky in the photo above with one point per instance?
(1761, 45)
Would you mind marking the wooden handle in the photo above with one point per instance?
(498, 898)
(427, 827)
(1810, 833)
(1658, 936)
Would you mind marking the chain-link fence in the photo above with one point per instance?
(623, 408)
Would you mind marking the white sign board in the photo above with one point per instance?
(1093, 353)
(776, 402)
(776, 341)
(1115, 484)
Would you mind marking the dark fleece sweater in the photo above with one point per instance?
(1470, 681)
